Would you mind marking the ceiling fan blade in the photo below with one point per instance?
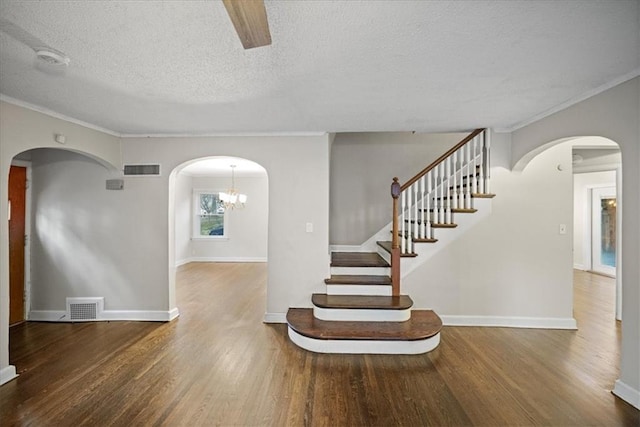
(249, 17)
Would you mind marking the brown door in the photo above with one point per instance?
(17, 191)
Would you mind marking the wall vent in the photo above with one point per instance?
(84, 309)
(142, 170)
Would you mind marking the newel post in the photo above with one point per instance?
(395, 240)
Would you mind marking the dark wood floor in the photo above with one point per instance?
(218, 364)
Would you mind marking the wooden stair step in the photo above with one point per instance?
(473, 195)
(357, 259)
(423, 240)
(363, 302)
(418, 239)
(454, 210)
(438, 225)
(433, 224)
(387, 246)
(423, 324)
(362, 279)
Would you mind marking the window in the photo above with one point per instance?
(210, 219)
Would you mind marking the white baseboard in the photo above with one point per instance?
(140, 315)
(7, 374)
(511, 322)
(627, 393)
(275, 318)
(579, 267)
(183, 262)
(345, 248)
(47, 316)
(108, 315)
(220, 259)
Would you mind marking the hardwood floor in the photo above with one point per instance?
(218, 364)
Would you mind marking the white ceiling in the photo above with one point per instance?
(177, 67)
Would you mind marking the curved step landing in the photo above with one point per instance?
(419, 334)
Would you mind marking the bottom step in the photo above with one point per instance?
(419, 334)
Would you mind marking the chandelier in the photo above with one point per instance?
(232, 199)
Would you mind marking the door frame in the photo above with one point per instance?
(27, 232)
(589, 238)
(597, 195)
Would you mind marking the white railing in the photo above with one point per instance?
(429, 199)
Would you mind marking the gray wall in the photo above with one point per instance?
(246, 228)
(613, 114)
(362, 168)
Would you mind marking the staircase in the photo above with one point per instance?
(363, 311)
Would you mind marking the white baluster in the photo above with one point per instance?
(455, 180)
(416, 224)
(409, 218)
(440, 183)
(481, 154)
(403, 204)
(422, 213)
(467, 187)
(447, 212)
(474, 188)
(487, 160)
(427, 229)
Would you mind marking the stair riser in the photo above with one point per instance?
(359, 290)
(364, 346)
(374, 271)
(361, 315)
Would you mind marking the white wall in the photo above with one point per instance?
(183, 208)
(514, 264)
(362, 168)
(83, 239)
(246, 228)
(21, 130)
(613, 114)
(582, 184)
(298, 171)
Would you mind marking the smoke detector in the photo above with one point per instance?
(52, 56)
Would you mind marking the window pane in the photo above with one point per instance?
(608, 232)
(212, 225)
(210, 204)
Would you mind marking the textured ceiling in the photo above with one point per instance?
(177, 67)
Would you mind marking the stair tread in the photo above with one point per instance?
(433, 223)
(473, 195)
(360, 279)
(423, 324)
(424, 240)
(357, 259)
(362, 302)
(387, 246)
(455, 210)
(442, 225)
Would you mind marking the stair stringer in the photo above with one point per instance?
(425, 251)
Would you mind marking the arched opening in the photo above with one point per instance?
(596, 165)
(56, 203)
(207, 227)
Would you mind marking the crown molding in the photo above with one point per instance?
(55, 115)
(572, 101)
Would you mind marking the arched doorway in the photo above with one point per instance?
(584, 219)
(57, 214)
(207, 227)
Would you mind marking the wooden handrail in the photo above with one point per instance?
(441, 159)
